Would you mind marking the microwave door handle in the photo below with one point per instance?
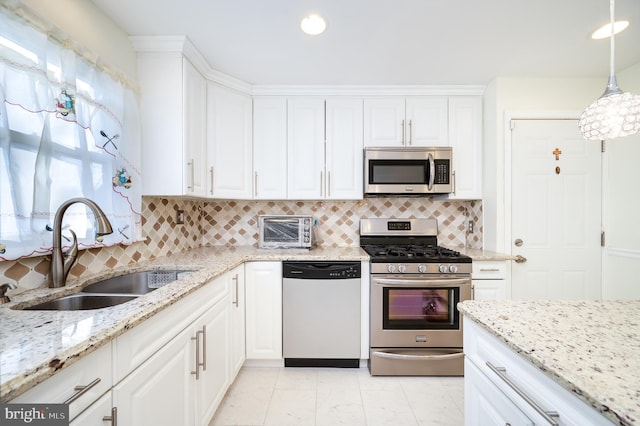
(432, 171)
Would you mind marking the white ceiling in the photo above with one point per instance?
(391, 41)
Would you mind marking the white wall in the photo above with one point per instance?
(85, 23)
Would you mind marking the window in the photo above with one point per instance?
(67, 129)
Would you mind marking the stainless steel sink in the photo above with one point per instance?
(80, 302)
(134, 283)
(111, 291)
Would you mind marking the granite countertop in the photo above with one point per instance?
(485, 255)
(591, 348)
(36, 344)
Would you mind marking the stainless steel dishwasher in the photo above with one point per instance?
(321, 314)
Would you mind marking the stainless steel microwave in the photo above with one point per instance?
(285, 231)
(408, 171)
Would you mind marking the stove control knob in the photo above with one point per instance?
(442, 268)
(391, 268)
(402, 269)
(422, 269)
(453, 268)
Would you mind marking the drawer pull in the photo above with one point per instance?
(198, 364)
(548, 415)
(113, 418)
(81, 390)
(489, 270)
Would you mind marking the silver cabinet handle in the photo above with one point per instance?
(520, 259)
(321, 184)
(453, 175)
(329, 183)
(410, 132)
(197, 370)
(204, 348)
(113, 418)
(255, 185)
(403, 131)
(235, 302)
(547, 415)
(193, 176)
(489, 270)
(211, 190)
(81, 390)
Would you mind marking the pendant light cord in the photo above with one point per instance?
(613, 43)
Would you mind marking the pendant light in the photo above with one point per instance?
(616, 113)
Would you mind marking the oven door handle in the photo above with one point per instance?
(421, 282)
(391, 355)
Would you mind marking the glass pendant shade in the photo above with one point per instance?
(614, 114)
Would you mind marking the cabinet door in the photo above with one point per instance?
(465, 137)
(426, 121)
(384, 122)
(264, 310)
(344, 155)
(160, 391)
(237, 307)
(305, 146)
(270, 148)
(194, 119)
(489, 290)
(229, 143)
(214, 343)
(94, 415)
(485, 404)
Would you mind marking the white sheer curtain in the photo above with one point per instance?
(67, 129)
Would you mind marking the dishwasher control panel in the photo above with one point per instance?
(321, 270)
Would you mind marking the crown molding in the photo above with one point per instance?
(182, 45)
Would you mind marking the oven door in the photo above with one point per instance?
(417, 312)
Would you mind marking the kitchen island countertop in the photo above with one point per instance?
(36, 344)
(591, 348)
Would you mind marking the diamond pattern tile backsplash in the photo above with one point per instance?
(227, 222)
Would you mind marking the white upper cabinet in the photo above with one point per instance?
(229, 143)
(173, 108)
(270, 148)
(344, 143)
(465, 138)
(410, 121)
(305, 147)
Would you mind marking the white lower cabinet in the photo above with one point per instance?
(78, 385)
(160, 391)
(501, 388)
(490, 280)
(264, 310)
(101, 412)
(237, 338)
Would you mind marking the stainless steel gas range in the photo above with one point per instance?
(416, 328)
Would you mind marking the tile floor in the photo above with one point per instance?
(327, 396)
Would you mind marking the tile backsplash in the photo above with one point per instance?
(230, 222)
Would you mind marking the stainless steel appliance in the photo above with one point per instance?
(408, 171)
(416, 328)
(321, 314)
(285, 231)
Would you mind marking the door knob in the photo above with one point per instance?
(520, 259)
(518, 242)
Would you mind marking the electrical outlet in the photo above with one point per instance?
(180, 217)
(471, 227)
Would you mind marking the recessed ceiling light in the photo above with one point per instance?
(313, 24)
(605, 30)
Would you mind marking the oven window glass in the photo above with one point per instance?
(398, 171)
(281, 231)
(420, 308)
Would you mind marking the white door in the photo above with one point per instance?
(556, 211)
(427, 121)
(384, 122)
(270, 148)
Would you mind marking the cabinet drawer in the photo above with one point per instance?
(489, 270)
(92, 371)
(138, 344)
